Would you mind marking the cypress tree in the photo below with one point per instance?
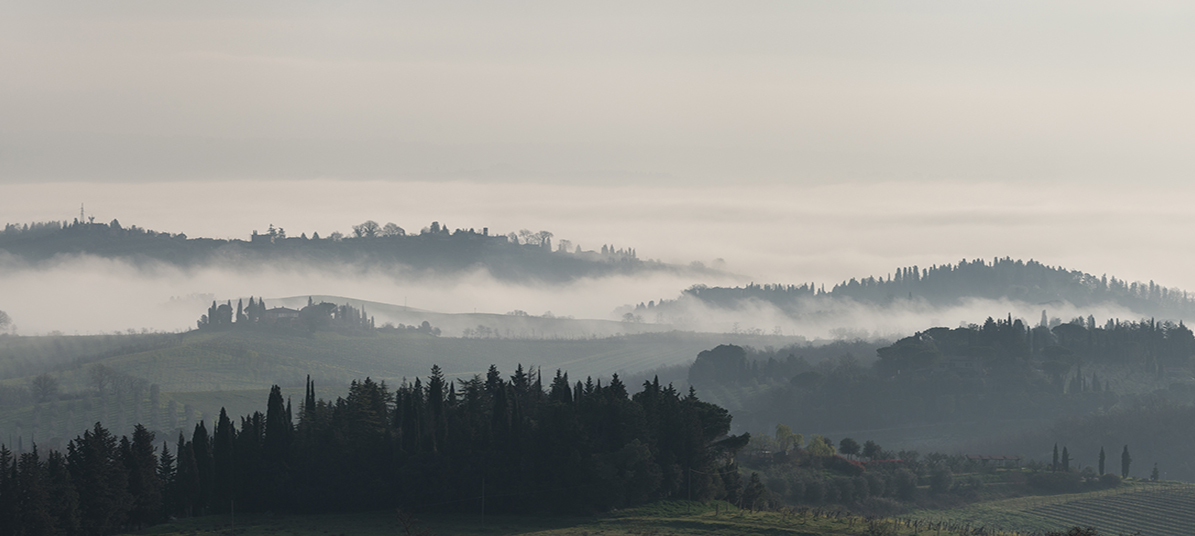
(276, 440)
(275, 451)
(1125, 461)
(201, 445)
(165, 473)
(223, 464)
(309, 400)
(186, 477)
(248, 461)
(1101, 461)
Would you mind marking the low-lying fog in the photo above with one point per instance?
(760, 232)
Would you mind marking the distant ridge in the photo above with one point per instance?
(522, 256)
(950, 284)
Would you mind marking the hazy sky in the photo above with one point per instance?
(659, 92)
(798, 141)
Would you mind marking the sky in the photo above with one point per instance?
(632, 92)
(785, 141)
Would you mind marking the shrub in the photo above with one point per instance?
(875, 484)
(940, 479)
(1065, 481)
(1109, 480)
(815, 490)
(842, 465)
(905, 483)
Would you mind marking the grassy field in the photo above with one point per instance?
(251, 359)
(660, 519)
(1154, 509)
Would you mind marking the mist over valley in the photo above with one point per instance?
(568, 269)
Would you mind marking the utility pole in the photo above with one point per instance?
(483, 499)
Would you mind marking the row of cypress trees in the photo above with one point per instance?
(487, 444)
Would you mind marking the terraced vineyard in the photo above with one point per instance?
(1153, 509)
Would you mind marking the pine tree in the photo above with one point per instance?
(99, 476)
(34, 503)
(144, 484)
(435, 407)
(9, 491)
(64, 507)
(755, 495)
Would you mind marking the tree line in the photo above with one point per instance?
(314, 316)
(949, 283)
(437, 248)
(1010, 349)
(503, 444)
(324, 316)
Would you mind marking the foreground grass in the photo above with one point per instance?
(659, 519)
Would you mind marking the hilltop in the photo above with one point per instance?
(522, 256)
(948, 285)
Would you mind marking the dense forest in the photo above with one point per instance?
(949, 284)
(1001, 373)
(517, 256)
(487, 444)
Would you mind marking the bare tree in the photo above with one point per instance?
(44, 388)
(5, 321)
(367, 229)
(100, 377)
(390, 229)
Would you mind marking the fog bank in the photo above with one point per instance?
(762, 233)
(769, 233)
